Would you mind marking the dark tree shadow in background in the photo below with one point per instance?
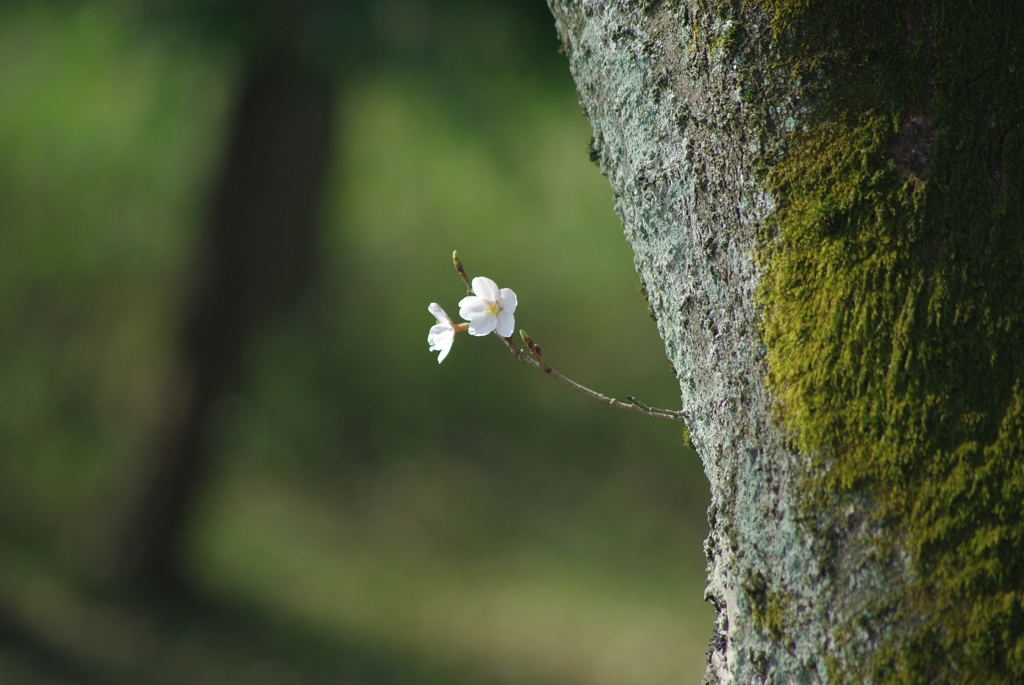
(261, 235)
(259, 256)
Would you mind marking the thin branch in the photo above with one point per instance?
(633, 405)
(537, 362)
(462, 271)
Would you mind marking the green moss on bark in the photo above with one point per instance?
(768, 607)
(893, 298)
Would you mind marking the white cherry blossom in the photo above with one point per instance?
(489, 309)
(442, 334)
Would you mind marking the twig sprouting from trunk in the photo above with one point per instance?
(536, 360)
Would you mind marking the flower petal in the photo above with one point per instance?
(446, 347)
(440, 334)
(508, 300)
(506, 323)
(471, 306)
(486, 289)
(439, 314)
(482, 324)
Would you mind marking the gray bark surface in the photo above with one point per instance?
(680, 147)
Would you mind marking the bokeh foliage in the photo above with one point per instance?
(472, 515)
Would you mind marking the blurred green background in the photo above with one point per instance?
(368, 515)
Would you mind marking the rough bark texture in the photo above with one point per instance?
(792, 177)
(672, 136)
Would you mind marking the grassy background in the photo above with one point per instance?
(374, 517)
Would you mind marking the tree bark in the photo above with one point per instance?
(824, 203)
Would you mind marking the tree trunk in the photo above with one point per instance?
(259, 252)
(825, 205)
